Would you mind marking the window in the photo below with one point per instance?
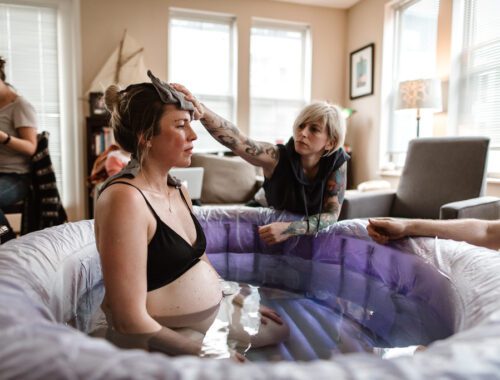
(40, 40)
(279, 78)
(29, 42)
(201, 56)
(475, 80)
(413, 39)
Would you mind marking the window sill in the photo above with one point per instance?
(494, 180)
(397, 174)
(389, 173)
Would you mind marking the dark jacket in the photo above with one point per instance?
(43, 208)
(289, 189)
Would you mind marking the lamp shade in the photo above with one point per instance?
(420, 94)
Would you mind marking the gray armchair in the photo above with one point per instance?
(442, 178)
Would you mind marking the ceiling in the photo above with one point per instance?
(343, 4)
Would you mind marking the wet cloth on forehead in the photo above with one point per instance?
(170, 95)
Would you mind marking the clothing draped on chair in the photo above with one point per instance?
(43, 207)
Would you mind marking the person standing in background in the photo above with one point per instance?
(18, 141)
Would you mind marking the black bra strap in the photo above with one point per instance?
(184, 199)
(139, 190)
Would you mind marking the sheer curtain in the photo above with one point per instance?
(199, 44)
(414, 41)
(279, 78)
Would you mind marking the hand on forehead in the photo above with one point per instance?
(170, 95)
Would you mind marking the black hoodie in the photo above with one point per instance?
(289, 189)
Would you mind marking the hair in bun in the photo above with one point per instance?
(111, 97)
(135, 113)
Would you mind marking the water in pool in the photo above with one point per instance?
(330, 308)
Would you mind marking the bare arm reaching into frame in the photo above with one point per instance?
(485, 233)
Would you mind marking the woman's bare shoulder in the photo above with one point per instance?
(118, 200)
(123, 222)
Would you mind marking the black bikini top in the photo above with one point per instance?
(169, 255)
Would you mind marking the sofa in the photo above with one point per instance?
(227, 179)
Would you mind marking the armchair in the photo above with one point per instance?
(442, 178)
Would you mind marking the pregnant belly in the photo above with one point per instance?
(193, 295)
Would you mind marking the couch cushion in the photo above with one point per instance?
(226, 179)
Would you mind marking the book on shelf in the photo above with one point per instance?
(103, 139)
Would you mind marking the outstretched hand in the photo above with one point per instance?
(274, 233)
(384, 229)
(199, 109)
(267, 312)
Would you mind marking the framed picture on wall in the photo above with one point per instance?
(361, 74)
(96, 104)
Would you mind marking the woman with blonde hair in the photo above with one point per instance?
(307, 175)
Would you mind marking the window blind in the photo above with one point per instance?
(28, 41)
(478, 74)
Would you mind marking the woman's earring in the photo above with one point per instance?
(148, 144)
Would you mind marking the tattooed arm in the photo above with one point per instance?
(257, 153)
(334, 196)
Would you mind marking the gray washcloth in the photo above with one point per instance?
(170, 95)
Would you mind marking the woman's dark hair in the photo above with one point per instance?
(2, 69)
(135, 115)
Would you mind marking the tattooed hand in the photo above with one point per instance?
(274, 233)
(199, 109)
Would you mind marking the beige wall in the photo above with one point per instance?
(365, 23)
(103, 22)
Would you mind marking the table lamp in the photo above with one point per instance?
(419, 94)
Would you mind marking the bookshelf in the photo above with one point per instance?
(99, 137)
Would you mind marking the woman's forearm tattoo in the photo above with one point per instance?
(230, 136)
(334, 196)
(316, 223)
(272, 152)
(340, 180)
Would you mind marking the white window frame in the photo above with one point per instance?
(220, 18)
(306, 79)
(389, 85)
(71, 128)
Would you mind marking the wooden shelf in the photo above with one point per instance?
(95, 128)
